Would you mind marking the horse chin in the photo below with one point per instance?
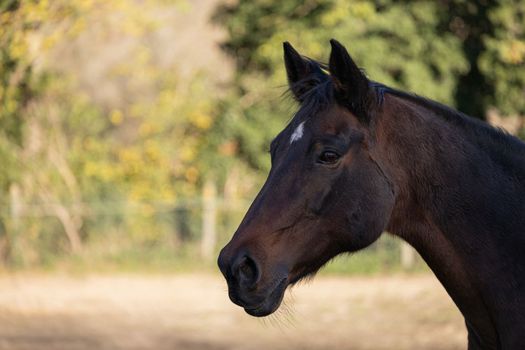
(271, 303)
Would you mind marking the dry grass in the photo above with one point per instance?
(192, 312)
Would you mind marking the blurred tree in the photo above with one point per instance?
(493, 40)
(469, 22)
(503, 60)
(467, 54)
(64, 149)
(15, 89)
(397, 41)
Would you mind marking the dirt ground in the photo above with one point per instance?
(193, 312)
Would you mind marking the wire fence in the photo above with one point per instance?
(35, 231)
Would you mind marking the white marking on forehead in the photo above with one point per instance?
(298, 133)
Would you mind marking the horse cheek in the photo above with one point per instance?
(369, 212)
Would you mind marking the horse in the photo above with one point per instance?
(359, 158)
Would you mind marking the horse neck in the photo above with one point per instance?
(458, 210)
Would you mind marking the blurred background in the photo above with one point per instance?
(135, 133)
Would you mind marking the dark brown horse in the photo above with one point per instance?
(360, 158)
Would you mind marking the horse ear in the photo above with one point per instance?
(350, 83)
(298, 70)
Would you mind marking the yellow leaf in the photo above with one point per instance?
(116, 117)
(192, 174)
(201, 120)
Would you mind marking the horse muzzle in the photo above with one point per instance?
(247, 288)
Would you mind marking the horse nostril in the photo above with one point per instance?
(246, 270)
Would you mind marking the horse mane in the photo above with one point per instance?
(497, 142)
(316, 90)
(317, 93)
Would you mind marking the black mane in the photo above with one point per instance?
(498, 143)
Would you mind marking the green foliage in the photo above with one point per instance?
(372, 30)
(503, 61)
(14, 90)
(399, 43)
(463, 53)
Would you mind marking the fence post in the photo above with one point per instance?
(15, 205)
(408, 256)
(209, 219)
(12, 229)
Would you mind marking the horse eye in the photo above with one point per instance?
(328, 157)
